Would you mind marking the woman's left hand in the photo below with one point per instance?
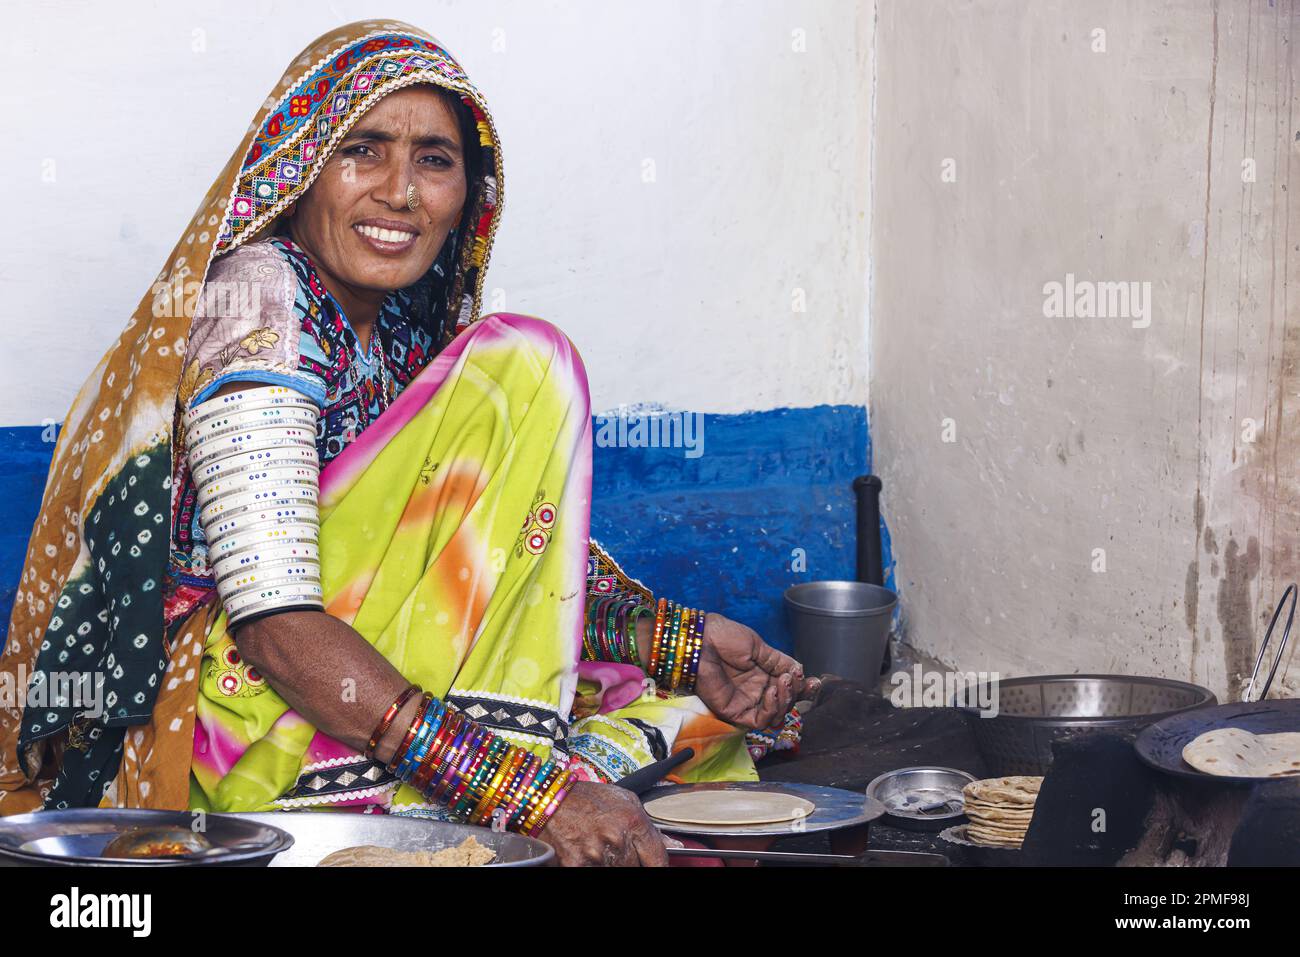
(744, 680)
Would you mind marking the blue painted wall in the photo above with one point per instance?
(717, 531)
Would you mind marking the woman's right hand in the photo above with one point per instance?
(603, 826)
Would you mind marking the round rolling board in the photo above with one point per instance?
(1161, 745)
(833, 808)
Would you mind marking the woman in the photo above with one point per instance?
(323, 532)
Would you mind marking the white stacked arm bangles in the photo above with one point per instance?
(253, 457)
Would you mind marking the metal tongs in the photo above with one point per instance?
(1281, 649)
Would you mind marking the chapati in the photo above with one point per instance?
(727, 807)
(469, 853)
(1017, 790)
(1234, 752)
(1000, 809)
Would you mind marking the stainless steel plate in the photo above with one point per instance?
(833, 808)
(910, 796)
(318, 833)
(77, 837)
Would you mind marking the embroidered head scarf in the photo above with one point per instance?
(90, 600)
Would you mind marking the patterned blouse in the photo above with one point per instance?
(266, 317)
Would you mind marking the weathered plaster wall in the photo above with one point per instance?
(1072, 435)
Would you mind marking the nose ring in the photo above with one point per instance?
(412, 197)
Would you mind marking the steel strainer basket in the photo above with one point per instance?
(1035, 712)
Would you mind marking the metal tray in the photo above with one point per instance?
(1161, 745)
(77, 837)
(833, 808)
(318, 833)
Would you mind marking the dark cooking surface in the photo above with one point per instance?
(852, 736)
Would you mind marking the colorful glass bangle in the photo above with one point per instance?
(387, 720)
(660, 611)
(551, 798)
(561, 792)
(411, 732)
(424, 773)
(420, 742)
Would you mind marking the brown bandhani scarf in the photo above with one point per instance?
(90, 600)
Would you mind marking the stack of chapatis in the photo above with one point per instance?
(999, 809)
(1233, 752)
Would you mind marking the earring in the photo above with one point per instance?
(412, 197)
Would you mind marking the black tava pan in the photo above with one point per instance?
(1161, 745)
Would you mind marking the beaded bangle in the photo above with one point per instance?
(387, 720)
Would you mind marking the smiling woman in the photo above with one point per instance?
(372, 593)
(387, 200)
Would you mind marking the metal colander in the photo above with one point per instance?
(1035, 712)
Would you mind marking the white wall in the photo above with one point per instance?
(678, 292)
(1085, 434)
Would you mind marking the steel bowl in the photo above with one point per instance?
(318, 833)
(925, 798)
(77, 838)
(1033, 713)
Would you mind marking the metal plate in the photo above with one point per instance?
(318, 833)
(77, 837)
(833, 808)
(917, 786)
(1161, 745)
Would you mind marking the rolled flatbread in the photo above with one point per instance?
(724, 807)
(1234, 752)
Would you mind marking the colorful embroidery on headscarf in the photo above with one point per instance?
(297, 137)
